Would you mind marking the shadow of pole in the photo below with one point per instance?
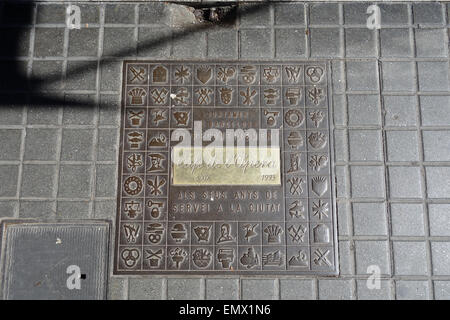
(17, 88)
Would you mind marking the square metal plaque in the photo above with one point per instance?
(226, 168)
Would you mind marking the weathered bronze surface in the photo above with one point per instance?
(181, 218)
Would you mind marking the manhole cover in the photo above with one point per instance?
(225, 168)
(55, 260)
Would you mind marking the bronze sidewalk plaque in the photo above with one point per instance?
(226, 168)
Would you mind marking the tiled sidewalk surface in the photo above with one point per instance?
(392, 134)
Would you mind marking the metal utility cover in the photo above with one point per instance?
(175, 219)
(38, 259)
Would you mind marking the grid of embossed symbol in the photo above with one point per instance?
(226, 168)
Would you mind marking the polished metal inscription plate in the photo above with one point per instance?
(226, 168)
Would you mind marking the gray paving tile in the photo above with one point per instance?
(38, 180)
(428, 13)
(437, 182)
(36, 209)
(119, 13)
(338, 76)
(439, 215)
(77, 144)
(109, 110)
(395, 43)
(407, 219)
(48, 69)
(115, 38)
(289, 13)
(79, 115)
(383, 293)
(8, 208)
(223, 44)
(105, 209)
(75, 181)
(431, 42)
(367, 181)
(296, 289)
(400, 111)
(343, 213)
(339, 110)
(43, 115)
(342, 182)
(154, 42)
(405, 182)
(85, 80)
(369, 219)
(106, 180)
(412, 290)
(436, 145)
(290, 43)
(10, 141)
(402, 145)
(323, 13)
(11, 115)
(335, 289)
(440, 253)
(255, 43)
(442, 290)
(363, 110)
(41, 144)
(258, 289)
(340, 145)
(398, 76)
(346, 251)
(393, 14)
(116, 290)
(362, 75)
(222, 289)
(48, 42)
(435, 110)
(365, 145)
(109, 70)
(187, 289)
(145, 289)
(190, 46)
(325, 42)
(410, 258)
(370, 253)
(154, 13)
(433, 76)
(72, 209)
(50, 13)
(355, 13)
(359, 43)
(90, 13)
(107, 145)
(8, 173)
(252, 17)
(83, 42)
